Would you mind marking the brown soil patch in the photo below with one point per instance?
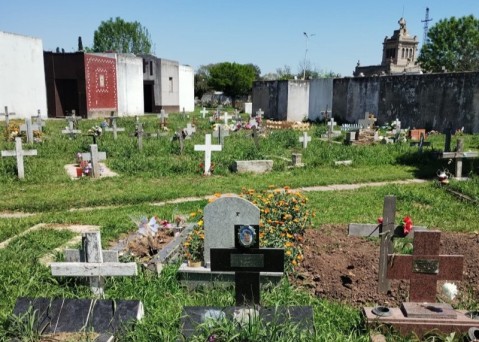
(343, 268)
(146, 247)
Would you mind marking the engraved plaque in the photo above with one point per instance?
(247, 260)
(425, 266)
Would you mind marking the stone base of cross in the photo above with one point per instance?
(19, 152)
(94, 263)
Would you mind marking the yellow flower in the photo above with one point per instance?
(200, 223)
(294, 262)
(288, 252)
(192, 214)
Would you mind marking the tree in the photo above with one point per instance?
(232, 78)
(453, 45)
(284, 73)
(201, 80)
(121, 36)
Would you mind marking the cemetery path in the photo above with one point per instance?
(345, 268)
(359, 185)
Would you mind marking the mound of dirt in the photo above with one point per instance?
(343, 268)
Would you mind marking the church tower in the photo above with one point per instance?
(401, 49)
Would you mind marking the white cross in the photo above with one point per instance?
(163, 116)
(70, 129)
(29, 127)
(259, 113)
(203, 112)
(305, 139)
(7, 116)
(226, 117)
(95, 264)
(190, 129)
(95, 157)
(19, 153)
(207, 148)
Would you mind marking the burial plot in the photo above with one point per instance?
(422, 314)
(207, 148)
(247, 260)
(19, 152)
(368, 121)
(6, 114)
(92, 262)
(113, 127)
(458, 156)
(94, 157)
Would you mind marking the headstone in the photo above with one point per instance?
(93, 265)
(305, 139)
(94, 157)
(422, 314)
(113, 126)
(163, 116)
(221, 216)
(207, 148)
(458, 156)
(296, 160)
(248, 108)
(7, 116)
(28, 128)
(247, 260)
(220, 134)
(19, 153)
(139, 135)
(203, 112)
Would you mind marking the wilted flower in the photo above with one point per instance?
(450, 290)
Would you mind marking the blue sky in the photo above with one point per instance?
(268, 33)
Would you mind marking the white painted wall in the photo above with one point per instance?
(298, 100)
(129, 79)
(22, 86)
(169, 88)
(187, 88)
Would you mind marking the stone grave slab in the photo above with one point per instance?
(253, 166)
(75, 315)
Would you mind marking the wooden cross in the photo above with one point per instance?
(326, 114)
(305, 139)
(203, 112)
(7, 116)
(19, 153)
(112, 118)
(458, 156)
(162, 116)
(139, 135)
(28, 127)
(92, 262)
(425, 266)
(95, 157)
(221, 133)
(207, 148)
(247, 260)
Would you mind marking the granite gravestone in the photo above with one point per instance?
(422, 314)
(246, 259)
(221, 216)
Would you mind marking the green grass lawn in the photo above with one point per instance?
(160, 173)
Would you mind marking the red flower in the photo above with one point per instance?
(380, 220)
(407, 225)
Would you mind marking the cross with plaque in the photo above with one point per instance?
(247, 260)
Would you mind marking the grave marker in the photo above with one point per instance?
(94, 266)
(220, 134)
(38, 120)
(19, 153)
(255, 136)
(459, 155)
(368, 121)
(6, 114)
(113, 126)
(305, 139)
(73, 119)
(259, 114)
(163, 116)
(247, 260)
(190, 129)
(226, 117)
(203, 112)
(207, 148)
(95, 157)
(28, 127)
(70, 129)
(139, 135)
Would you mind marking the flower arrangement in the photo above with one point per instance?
(194, 244)
(95, 131)
(450, 290)
(201, 168)
(407, 225)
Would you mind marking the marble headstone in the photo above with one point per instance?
(220, 217)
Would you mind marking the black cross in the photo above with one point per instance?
(247, 262)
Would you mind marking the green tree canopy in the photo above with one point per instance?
(121, 36)
(232, 78)
(453, 45)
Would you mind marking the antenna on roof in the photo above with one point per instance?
(425, 39)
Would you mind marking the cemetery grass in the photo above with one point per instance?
(50, 193)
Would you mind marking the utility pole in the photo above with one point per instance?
(425, 39)
(306, 53)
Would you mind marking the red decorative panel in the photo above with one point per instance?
(100, 77)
